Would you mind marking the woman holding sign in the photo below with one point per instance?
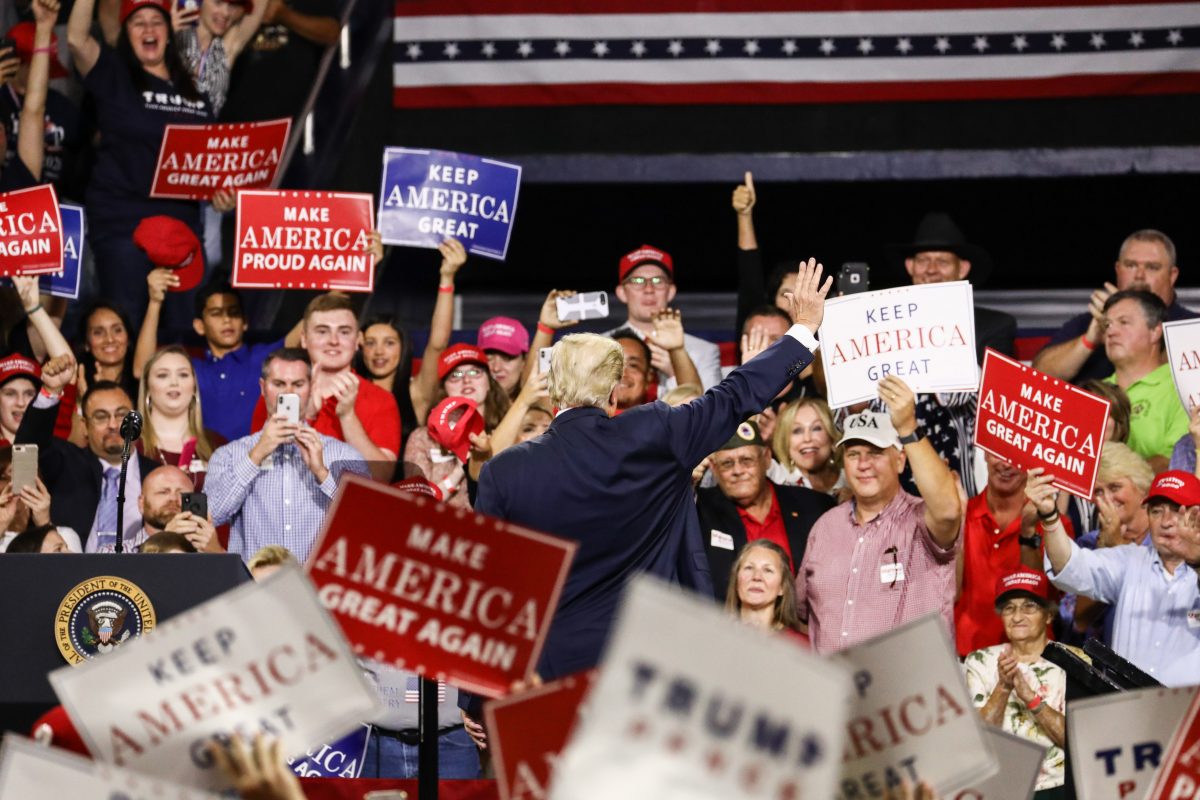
(139, 88)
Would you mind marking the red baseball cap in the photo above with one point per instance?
(1025, 582)
(22, 35)
(18, 366)
(1177, 486)
(459, 354)
(170, 243)
(61, 730)
(130, 6)
(646, 254)
(504, 334)
(418, 485)
(451, 428)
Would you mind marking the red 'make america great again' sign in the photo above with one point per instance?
(438, 590)
(1032, 420)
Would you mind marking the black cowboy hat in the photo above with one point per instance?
(938, 232)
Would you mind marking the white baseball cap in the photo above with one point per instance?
(872, 427)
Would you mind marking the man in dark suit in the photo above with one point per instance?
(83, 480)
(745, 506)
(621, 486)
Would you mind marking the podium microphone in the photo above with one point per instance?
(131, 431)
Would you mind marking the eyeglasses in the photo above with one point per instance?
(640, 281)
(103, 417)
(1025, 607)
(726, 464)
(459, 374)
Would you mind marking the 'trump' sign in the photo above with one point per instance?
(449, 595)
(691, 703)
(429, 195)
(1032, 420)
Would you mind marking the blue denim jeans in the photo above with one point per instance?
(388, 757)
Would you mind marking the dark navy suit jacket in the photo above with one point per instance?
(621, 487)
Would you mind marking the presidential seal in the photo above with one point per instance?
(99, 615)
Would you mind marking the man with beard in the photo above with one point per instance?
(1146, 261)
(83, 480)
(161, 504)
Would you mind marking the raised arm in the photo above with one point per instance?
(668, 334)
(935, 481)
(243, 33)
(158, 281)
(44, 336)
(85, 50)
(422, 390)
(318, 29)
(751, 292)
(1064, 359)
(700, 427)
(548, 323)
(31, 139)
(1043, 494)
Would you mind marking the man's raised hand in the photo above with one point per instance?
(806, 301)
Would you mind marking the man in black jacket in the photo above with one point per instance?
(745, 506)
(83, 480)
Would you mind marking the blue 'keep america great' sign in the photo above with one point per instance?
(429, 195)
(66, 283)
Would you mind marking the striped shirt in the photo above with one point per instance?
(279, 502)
(859, 580)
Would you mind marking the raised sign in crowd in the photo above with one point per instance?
(877, 555)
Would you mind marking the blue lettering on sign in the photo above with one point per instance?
(429, 195)
(724, 717)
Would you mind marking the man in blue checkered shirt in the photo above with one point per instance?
(275, 486)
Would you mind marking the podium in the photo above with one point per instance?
(54, 609)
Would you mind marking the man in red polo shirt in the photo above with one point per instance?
(343, 404)
(745, 506)
(1001, 533)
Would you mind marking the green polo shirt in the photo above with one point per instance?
(1159, 418)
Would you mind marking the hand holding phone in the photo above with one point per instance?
(853, 277)
(289, 406)
(24, 467)
(589, 305)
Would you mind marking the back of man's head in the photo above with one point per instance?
(584, 368)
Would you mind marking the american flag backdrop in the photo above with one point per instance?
(493, 53)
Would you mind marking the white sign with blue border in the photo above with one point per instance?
(429, 195)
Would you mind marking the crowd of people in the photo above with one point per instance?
(827, 525)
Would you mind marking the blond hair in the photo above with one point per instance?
(1118, 461)
(584, 368)
(195, 416)
(681, 394)
(781, 439)
(273, 555)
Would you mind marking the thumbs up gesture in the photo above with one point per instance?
(743, 196)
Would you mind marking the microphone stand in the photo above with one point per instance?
(131, 428)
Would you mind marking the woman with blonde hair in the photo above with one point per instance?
(173, 425)
(762, 589)
(803, 445)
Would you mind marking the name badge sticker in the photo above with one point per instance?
(722, 540)
(890, 573)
